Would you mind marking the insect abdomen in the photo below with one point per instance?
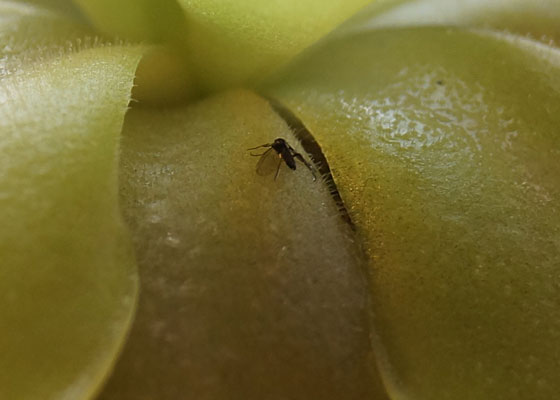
(289, 159)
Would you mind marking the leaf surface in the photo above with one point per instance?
(68, 279)
(250, 287)
(444, 144)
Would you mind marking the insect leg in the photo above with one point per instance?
(262, 145)
(309, 166)
(278, 169)
(258, 155)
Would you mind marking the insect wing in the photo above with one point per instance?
(268, 163)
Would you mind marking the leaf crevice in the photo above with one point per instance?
(313, 148)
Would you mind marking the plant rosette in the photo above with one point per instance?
(144, 254)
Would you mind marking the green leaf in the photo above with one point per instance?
(235, 41)
(147, 20)
(251, 287)
(445, 147)
(164, 75)
(68, 281)
(537, 19)
(226, 42)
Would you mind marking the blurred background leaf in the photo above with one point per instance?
(68, 281)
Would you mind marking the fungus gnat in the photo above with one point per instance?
(277, 152)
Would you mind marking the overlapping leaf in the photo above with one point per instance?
(68, 280)
(444, 144)
(251, 287)
(226, 42)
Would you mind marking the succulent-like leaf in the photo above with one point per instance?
(445, 147)
(68, 280)
(251, 287)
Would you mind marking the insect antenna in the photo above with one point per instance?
(262, 145)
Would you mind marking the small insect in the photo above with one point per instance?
(277, 152)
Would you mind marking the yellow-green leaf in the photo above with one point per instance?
(234, 41)
(147, 20)
(251, 287)
(68, 281)
(537, 19)
(445, 147)
(226, 42)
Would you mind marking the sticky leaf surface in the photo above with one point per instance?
(445, 147)
(68, 281)
(250, 287)
(536, 19)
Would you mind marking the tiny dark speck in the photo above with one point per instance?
(440, 82)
